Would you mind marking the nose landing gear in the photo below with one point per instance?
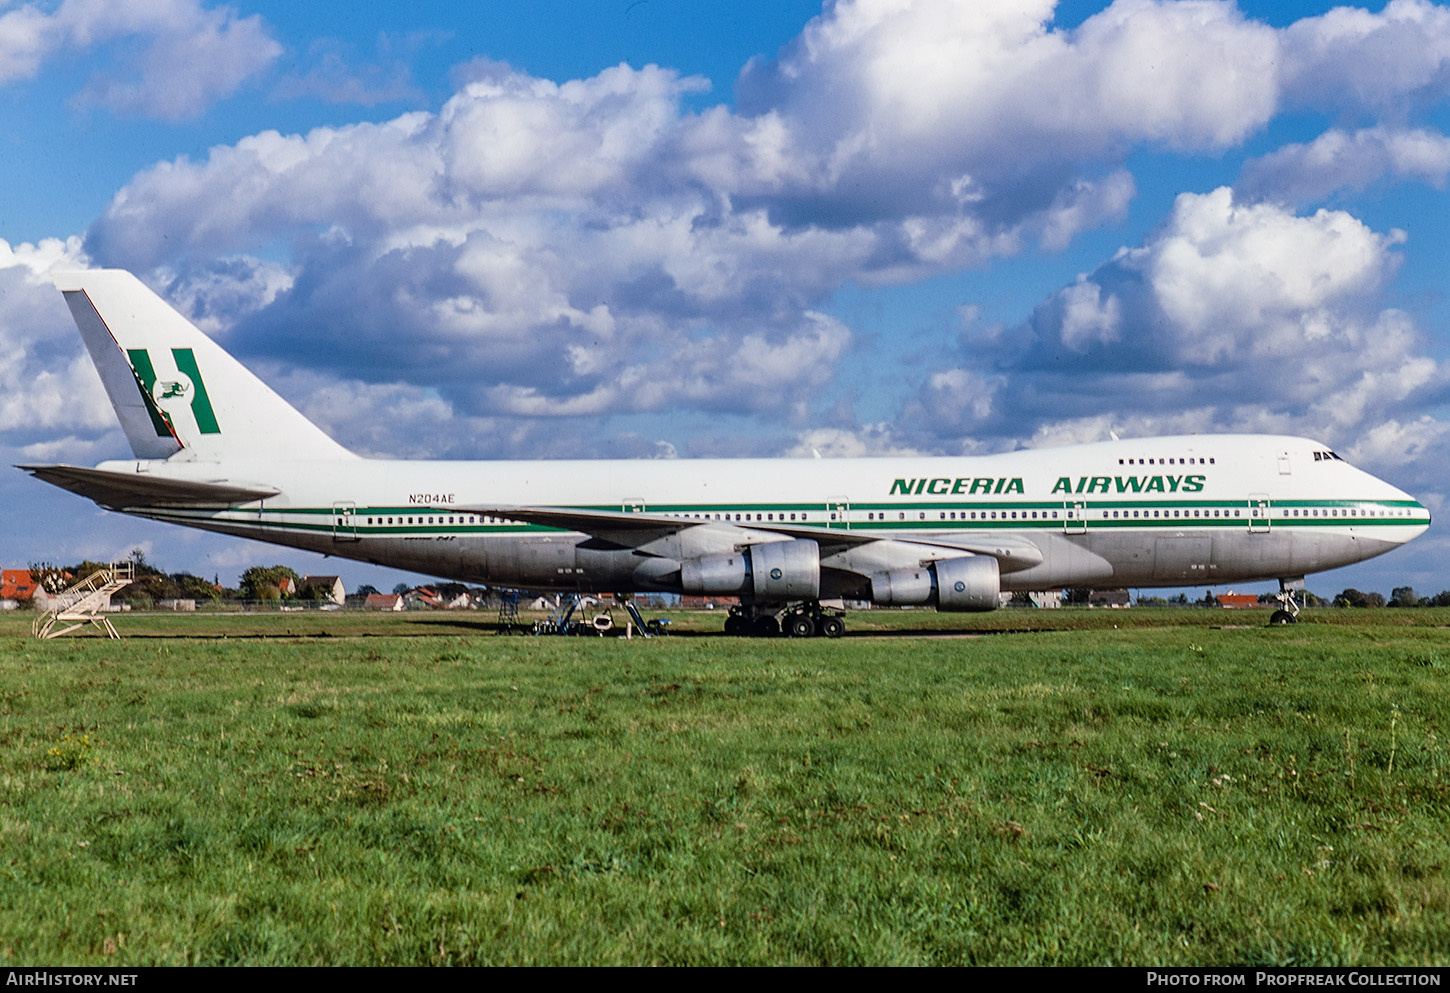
(1288, 613)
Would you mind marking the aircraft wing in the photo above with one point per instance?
(628, 529)
(122, 490)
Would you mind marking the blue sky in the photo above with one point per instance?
(543, 228)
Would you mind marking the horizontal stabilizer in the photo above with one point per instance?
(632, 529)
(122, 490)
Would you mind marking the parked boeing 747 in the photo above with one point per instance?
(216, 449)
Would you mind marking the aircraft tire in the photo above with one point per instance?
(766, 627)
(800, 626)
(833, 627)
(736, 626)
(1280, 617)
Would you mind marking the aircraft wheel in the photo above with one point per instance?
(735, 626)
(800, 626)
(766, 627)
(1281, 617)
(833, 627)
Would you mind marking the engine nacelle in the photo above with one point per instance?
(724, 574)
(960, 584)
(786, 570)
(968, 584)
(903, 587)
(772, 571)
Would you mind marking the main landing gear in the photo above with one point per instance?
(800, 620)
(1288, 612)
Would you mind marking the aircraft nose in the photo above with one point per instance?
(1419, 516)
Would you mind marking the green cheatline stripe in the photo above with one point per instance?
(1275, 509)
(255, 519)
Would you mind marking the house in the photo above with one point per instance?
(324, 587)
(1109, 598)
(18, 588)
(383, 601)
(17, 584)
(1237, 601)
(423, 596)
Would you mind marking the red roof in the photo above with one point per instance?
(16, 584)
(1237, 600)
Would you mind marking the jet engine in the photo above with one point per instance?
(959, 584)
(771, 571)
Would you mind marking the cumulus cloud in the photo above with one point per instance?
(866, 440)
(1384, 64)
(533, 249)
(1232, 317)
(187, 56)
(537, 249)
(1343, 161)
(50, 394)
(981, 110)
(1222, 282)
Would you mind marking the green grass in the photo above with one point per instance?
(1140, 787)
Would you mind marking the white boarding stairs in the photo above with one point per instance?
(83, 603)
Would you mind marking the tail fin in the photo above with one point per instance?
(176, 390)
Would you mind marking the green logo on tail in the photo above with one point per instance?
(154, 392)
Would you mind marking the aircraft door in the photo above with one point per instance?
(1074, 514)
(1258, 513)
(632, 505)
(838, 513)
(344, 521)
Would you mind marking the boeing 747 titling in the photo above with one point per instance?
(216, 449)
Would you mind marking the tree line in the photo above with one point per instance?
(267, 583)
(259, 583)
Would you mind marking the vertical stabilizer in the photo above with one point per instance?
(176, 390)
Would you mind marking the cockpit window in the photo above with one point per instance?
(1326, 456)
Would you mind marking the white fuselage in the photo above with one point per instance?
(1177, 511)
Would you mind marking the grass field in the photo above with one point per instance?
(1070, 787)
